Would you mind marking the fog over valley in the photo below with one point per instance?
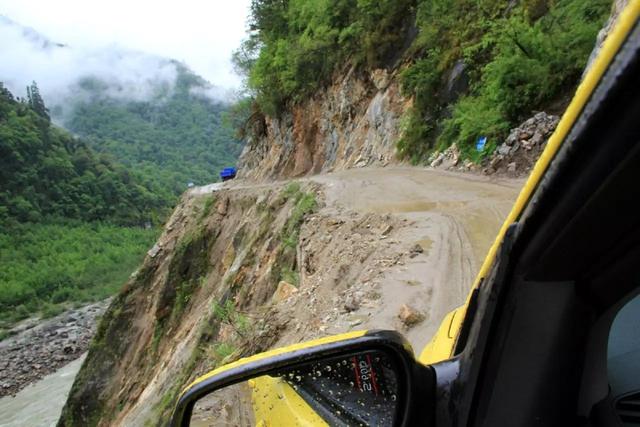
(62, 70)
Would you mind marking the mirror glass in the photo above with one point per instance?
(357, 389)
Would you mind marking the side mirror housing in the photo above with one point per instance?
(358, 378)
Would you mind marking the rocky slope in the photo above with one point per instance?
(212, 289)
(515, 157)
(218, 254)
(355, 122)
(251, 267)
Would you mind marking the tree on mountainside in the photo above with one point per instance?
(62, 212)
(36, 103)
(515, 57)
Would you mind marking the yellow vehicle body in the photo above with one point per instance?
(443, 342)
(281, 405)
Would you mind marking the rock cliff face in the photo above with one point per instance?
(355, 122)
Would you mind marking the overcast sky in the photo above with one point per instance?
(201, 34)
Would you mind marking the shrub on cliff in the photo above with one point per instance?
(295, 46)
(517, 57)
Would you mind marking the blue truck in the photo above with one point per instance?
(228, 173)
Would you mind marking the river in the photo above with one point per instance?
(40, 404)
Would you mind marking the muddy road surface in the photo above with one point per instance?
(449, 221)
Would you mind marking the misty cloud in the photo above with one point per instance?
(60, 70)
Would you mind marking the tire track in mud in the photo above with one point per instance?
(455, 215)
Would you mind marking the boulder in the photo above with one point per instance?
(351, 303)
(438, 160)
(283, 292)
(154, 251)
(504, 149)
(417, 249)
(409, 316)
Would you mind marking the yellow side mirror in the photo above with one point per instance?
(355, 379)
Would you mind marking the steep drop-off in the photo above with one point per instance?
(220, 256)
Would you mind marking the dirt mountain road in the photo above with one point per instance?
(454, 218)
(358, 261)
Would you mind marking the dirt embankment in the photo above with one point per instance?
(37, 350)
(242, 269)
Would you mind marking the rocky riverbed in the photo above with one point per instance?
(38, 349)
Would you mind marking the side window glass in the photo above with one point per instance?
(623, 363)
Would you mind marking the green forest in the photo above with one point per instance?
(174, 138)
(47, 267)
(46, 173)
(518, 56)
(71, 221)
(78, 211)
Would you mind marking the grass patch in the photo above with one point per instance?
(517, 60)
(226, 313)
(305, 203)
(290, 276)
(221, 353)
(206, 208)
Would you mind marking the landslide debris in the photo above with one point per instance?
(236, 272)
(515, 157)
(410, 316)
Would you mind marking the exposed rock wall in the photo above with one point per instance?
(355, 122)
(616, 9)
